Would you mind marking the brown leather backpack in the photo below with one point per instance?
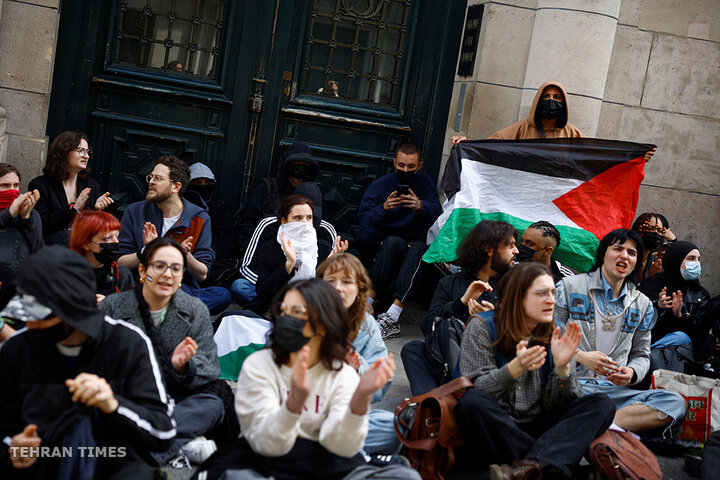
(621, 456)
(431, 432)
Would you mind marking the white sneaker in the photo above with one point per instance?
(199, 449)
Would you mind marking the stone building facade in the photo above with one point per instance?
(637, 70)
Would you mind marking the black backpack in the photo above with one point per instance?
(442, 348)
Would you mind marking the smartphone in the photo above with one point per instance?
(402, 189)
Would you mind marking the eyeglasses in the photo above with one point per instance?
(293, 310)
(149, 178)
(544, 294)
(160, 267)
(84, 151)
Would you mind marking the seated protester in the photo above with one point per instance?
(539, 241)
(73, 379)
(676, 292)
(182, 337)
(302, 409)
(22, 226)
(95, 236)
(396, 210)
(615, 320)
(298, 166)
(66, 186)
(487, 252)
(348, 276)
(654, 230)
(527, 408)
(199, 191)
(165, 213)
(291, 249)
(243, 290)
(416, 281)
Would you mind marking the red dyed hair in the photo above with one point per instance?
(89, 223)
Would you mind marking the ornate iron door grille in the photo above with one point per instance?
(174, 36)
(354, 49)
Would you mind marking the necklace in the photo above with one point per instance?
(609, 320)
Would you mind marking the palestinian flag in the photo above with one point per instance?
(237, 337)
(585, 187)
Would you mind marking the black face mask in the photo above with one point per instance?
(525, 254)
(51, 335)
(406, 178)
(289, 333)
(651, 240)
(109, 253)
(300, 171)
(205, 191)
(550, 108)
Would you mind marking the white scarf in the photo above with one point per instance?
(303, 238)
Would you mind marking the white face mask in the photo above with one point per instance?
(303, 238)
(692, 270)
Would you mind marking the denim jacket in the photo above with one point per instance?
(370, 345)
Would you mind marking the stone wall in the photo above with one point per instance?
(28, 33)
(638, 70)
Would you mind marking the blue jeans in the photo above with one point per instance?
(242, 291)
(670, 403)
(194, 416)
(381, 438)
(217, 299)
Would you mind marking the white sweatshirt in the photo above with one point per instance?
(271, 429)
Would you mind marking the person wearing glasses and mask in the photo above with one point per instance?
(165, 213)
(66, 187)
(182, 337)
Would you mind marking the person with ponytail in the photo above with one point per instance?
(95, 236)
(182, 337)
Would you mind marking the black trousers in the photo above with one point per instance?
(711, 456)
(417, 367)
(557, 439)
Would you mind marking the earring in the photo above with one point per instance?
(142, 280)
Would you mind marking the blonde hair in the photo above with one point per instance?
(352, 266)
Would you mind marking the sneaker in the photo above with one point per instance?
(199, 449)
(389, 328)
(385, 460)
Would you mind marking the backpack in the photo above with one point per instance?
(430, 432)
(442, 348)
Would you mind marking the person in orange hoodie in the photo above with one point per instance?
(547, 118)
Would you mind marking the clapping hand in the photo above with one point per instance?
(103, 201)
(290, 255)
(182, 354)
(299, 381)
(563, 347)
(339, 246)
(149, 232)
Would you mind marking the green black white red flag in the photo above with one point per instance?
(585, 187)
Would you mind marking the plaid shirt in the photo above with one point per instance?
(524, 398)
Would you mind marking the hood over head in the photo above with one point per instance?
(670, 277)
(200, 170)
(299, 152)
(63, 281)
(533, 113)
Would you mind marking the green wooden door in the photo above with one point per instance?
(255, 76)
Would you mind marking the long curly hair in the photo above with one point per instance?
(56, 164)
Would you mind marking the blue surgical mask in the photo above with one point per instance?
(692, 270)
